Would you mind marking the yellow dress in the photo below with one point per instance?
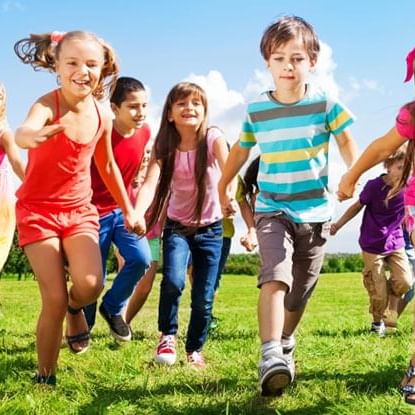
(7, 212)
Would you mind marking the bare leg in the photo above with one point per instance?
(271, 310)
(292, 318)
(141, 293)
(46, 259)
(82, 251)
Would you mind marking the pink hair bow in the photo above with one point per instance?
(56, 37)
(410, 57)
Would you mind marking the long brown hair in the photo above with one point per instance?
(410, 151)
(41, 52)
(166, 144)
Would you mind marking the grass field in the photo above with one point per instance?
(341, 369)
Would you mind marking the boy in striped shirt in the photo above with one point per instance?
(292, 125)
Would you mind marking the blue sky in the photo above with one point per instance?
(216, 44)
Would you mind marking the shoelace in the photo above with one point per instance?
(167, 342)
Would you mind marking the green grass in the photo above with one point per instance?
(341, 369)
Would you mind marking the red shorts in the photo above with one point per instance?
(36, 223)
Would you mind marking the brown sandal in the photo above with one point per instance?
(77, 338)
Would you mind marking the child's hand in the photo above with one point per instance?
(333, 228)
(44, 134)
(228, 205)
(249, 241)
(140, 227)
(131, 219)
(346, 188)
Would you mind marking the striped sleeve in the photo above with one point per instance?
(247, 137)
(338, 117)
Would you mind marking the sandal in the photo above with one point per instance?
(407, 389)
(77, 338)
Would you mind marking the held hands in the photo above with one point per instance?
(40, 136)
(227, 204)
(130, 220)
(347, 188)
(249, 241)
(334, 228)
(140, 227)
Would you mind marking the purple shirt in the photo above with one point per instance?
(381, 231)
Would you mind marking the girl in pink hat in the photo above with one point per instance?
(376, 152)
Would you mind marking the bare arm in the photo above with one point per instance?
(146, 193)
(348, 215)
(376, 152)
(12, 152)
(111, 176)
(236, 159)
(347, 147)
(249, 241)
(34, 130)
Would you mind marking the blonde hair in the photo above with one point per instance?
(41, 52)
(3, 98)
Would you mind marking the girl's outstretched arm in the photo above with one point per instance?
(376, 152)
(35, 129)
(111, 176)
(12, 152)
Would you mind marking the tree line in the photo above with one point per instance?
(18, 266)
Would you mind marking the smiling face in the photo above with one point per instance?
(187, 111)
(79, 65)
(290, 64)
(132, 112)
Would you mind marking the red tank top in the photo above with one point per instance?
(58, 171)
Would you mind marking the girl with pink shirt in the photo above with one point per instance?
(375, 153)
(183, 174)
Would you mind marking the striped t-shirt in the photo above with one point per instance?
(294, 143)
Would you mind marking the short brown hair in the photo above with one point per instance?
(286, 29)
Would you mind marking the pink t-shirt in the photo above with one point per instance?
(183, 187)
(406, 128)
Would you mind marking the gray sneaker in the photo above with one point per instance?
(274, 373)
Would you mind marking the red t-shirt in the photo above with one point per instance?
(128, 153)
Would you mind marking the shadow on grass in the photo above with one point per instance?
(157, 399)
(377, 382)
(359, 332)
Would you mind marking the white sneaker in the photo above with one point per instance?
(378, 328)
(166, 350)
(288, 344)
(274, 373)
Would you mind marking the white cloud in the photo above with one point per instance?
(227, 108)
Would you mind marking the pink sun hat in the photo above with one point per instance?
(410, 58)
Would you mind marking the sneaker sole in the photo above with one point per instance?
(161, 360)
(275, 380)
(120, 338)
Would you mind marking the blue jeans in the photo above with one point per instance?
(136, 254)
(226, 248)
(205, 245)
